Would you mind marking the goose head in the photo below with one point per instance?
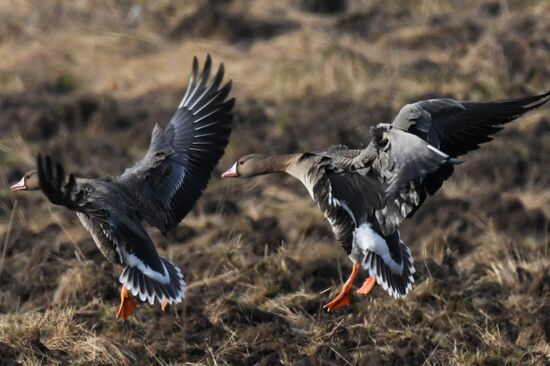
(247, 166)
(29, 182)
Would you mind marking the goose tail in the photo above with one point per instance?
(151, 289)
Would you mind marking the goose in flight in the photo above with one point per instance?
(366, 194)
(160, 189)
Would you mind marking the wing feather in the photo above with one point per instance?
(456, 127)
(414, 155)
(178, 165)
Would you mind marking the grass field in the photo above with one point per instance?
(86, 82)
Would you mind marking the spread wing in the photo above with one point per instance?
(415, 154)
(456, 127)
(171, 177)
(450, 127)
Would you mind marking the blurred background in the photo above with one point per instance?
(86, 81)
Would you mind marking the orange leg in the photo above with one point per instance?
(344, 297)
(127, 304)
(367, 286)
(164, 306)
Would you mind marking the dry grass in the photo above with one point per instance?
(57, 336)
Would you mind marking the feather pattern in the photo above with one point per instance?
(176, 169)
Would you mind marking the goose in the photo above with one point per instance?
(160, 189)
(365, 194)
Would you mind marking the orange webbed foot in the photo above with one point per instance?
(127, 304)
(165, 305)
(343, 299)
(367, 286)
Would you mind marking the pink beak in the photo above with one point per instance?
(19, 186)
(231, 172)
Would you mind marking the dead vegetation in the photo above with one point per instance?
(87, 83)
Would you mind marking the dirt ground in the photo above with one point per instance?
(86, 81)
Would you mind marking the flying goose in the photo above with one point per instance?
(366, 194)
(160, 189)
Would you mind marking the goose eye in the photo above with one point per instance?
(241, 162)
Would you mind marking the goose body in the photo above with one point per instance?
(350, 200)
(365, 194)
(160, 189)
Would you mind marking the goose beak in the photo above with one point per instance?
(231, 172)
(19, 186)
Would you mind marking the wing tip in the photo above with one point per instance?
(206, 68)
(195, 64)
(536, 101)
(227, 88)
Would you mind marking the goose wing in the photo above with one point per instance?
(415, 154)
(457, 127)
(403, 157)
(171, 177)
(401, 161)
